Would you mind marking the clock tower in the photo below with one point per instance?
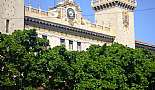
(67, 10)
(119, 16)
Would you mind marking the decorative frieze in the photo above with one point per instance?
(107, 5)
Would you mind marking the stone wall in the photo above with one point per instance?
(11, 15)
(119, 15)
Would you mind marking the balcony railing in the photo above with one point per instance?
(35, 10)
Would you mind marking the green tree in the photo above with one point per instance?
(26, 62)
(19, 53)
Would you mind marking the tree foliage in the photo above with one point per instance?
(26, 62)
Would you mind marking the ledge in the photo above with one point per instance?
(147, 46)
(35, 22)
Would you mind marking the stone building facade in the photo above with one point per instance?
(64, 23)
(119, 15)
(11, 15)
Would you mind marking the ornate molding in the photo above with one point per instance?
(114, 4)
(35, 22)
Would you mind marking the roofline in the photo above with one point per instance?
(35, 22)
(144, 45)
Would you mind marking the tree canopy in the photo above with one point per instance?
(27, 62)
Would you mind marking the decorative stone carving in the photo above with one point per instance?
(125, 19)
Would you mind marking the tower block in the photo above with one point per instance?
(119, 16)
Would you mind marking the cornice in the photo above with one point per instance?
(35, 22)
(140, 44)
(114, 4)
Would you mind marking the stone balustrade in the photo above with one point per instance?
(38, 13)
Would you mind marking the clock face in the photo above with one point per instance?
(70, 13)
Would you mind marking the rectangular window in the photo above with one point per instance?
(7, 26)
(44, 36)
(79, 46)
(62, 41)
(70, 45)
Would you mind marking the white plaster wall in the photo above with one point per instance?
(67, 43)
(75, 45)
(85, 45)
(54, 39)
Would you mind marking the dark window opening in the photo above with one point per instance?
(70, 45)
(7, 26)
(62, 41)
(44, 36)
(79, 46)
